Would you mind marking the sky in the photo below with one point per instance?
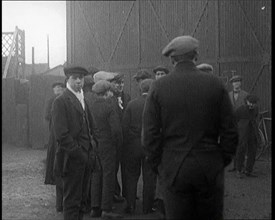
(38, 19)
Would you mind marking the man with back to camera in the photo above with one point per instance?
(73, 126)
(237, 97)
(185, 113)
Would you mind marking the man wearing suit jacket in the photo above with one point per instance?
(73, 127)
(133, 154)
(237, 98)
(185, 113)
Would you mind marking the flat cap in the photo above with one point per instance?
(205, 67)
(69, 70)
(117, 77)
(180, 45)
(58, 84)
(252, 98)
(102, 86)
(142, 74)
(146, 84)
(161, 68)
(236, 78)
(103, 75)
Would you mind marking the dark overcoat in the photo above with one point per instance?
(68, 122)
(188, 109)
(239, 101)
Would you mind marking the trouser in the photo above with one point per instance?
(193, 196)
(59, 194)
(103, 181)
(133, 165)
(119, 163)
(75, 184)
(247, 145)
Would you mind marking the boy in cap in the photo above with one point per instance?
(73, 126)
(160, 71)
(247, 117)
(237, 97)
(120, 102)
(134, 155)
(183, 122)
(109, 135)
(50, 178)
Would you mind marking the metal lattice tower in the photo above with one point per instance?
(13, 54)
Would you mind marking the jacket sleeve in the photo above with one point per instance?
(61, 126)
(151, 128)
(126, 120)
(116, 130)
(228, 128)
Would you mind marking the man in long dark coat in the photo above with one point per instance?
(185, 113)
(73, 127)
(133, 153)
(109, 135)
(50, 178)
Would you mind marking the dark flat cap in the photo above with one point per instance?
(145, 85)
(117, 77)
(236, 78)
(205, 67)
(161, 68)
(180, 45)
(75, 70)
(252, 98)
(103, 75)
(58, 84)
(102, 86)
(142, 74)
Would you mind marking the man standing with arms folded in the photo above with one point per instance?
(185, 113)
(73, 128)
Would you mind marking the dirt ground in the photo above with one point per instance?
(24, 195)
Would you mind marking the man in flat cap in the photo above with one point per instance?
(184, 115)
(109, 136)
(237, 97)
(103, 75)
(205, 67)
(248, 117)
(133, 153)
(160, 71)
(50, 178)
(73, 126)
(120, 102)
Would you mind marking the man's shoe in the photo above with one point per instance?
(249, 174)
(129, 210)
(118, 199)
(96, 212)
(232, 170)
(111, 215)
(239, 175)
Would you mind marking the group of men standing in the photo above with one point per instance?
(180, 131)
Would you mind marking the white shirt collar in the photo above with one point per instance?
(79, 95)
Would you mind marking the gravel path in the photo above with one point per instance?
(25, 197)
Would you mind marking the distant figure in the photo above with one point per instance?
(141, 75)
(133, 153)
(237, 97)
(50, 178)
(184, 114)
(160, 71)
(247, 117)
(74, 127)
(205, 68)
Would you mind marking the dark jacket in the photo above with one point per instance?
(189, 109)
(107, 121)
(240, 100)
(48, 112)
(132, 124)
(125, 100)
(68, 120)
